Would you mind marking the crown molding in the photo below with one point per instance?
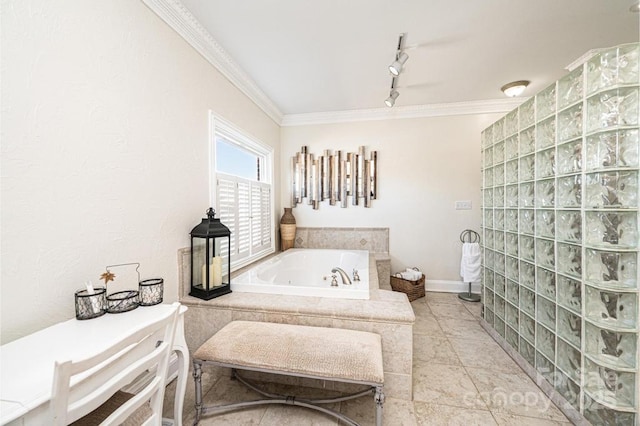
(410, 111)
(178, 17)
(582, 59)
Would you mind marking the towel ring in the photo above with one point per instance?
(469, 236)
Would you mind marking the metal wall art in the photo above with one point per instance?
(334, 176)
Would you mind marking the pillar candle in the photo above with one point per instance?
(216, 271)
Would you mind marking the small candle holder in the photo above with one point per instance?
(91, 305)
(151, 291)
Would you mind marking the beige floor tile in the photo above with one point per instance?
(444, 415)
(474, 308)
(427, 324)
(287, 415)
(514, 393)
(489, 356)
(434, 349)
(444, 384)
(398, 412)
(470, 330)
(433, 297)
(420, 307)
(448, 310)
(504, 419)
(361, 410)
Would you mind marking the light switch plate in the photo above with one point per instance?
(463, 205)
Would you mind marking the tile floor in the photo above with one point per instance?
(461, 377)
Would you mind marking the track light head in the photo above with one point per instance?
(391, 100)
(396, 67)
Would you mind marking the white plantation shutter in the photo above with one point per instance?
(244, 219)
(227, 201)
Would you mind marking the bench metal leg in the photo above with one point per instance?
(379, 399)
(197, 378)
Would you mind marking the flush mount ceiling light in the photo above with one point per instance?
(395, 69)
(391, 100)
(514, 88)
(635, 7)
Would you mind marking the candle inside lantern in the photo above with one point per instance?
(215, 273)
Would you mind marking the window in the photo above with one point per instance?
(242, 185)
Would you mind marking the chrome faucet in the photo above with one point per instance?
(343, 275)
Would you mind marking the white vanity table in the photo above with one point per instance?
(26, 364)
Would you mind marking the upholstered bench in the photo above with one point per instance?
(314, 352)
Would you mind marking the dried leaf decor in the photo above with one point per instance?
(107, 276)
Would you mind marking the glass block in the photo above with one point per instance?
(527, 301)
(527, 327)
(488, 218)
(498, 131)
(498, 152)
(570, 191)
(546, 312)
(598, 414)
(489, 298)
(511, 316)
(545, 367)
(489, 136)
(488, 259)
(611, 230)
(527, 168)
(611, 309)
(511, 123)
(488, 197)
(513, 292)
(483, 140)
(526, 193)
(546, 133)
(545, 193)
(569, 359)
(609, 347)
(570, 157)
(487, 158)
(499, 325)
(511, 219)
(511, 244)
(488, 278)
(612, 269)
(498, 196)
(511, 196)
(568, 389)
(527, 248)
(612, 149)
(512, 337)
(527, 351)
(615, 66)
(498, 263)
(569, 327)
(527, 224)
(545, 163)
(526, 113)
(545, 223)
(546, 102)
(569, 293)
(612, 189)
(613, 108)
(545, 253)
(511, 147)
(498, 219)
(488, 178)
(498, 175)
(498, 242)
(499, 284)
(570, 88)
(489, 238)
(569, 225)
(608, 385)
(570, 260)
(488, 315)
(512, 267)
(546, 341)
(527, 274)
(570, 123)
(546, 281)
(511, 172)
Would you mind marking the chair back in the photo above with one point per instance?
(81, 386)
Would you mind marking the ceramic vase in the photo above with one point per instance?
(287, 230)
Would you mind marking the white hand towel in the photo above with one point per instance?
(413, 274)
(470, 264)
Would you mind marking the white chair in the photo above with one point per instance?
(88, 391)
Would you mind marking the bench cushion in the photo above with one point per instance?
(330, 353)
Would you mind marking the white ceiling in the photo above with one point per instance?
(332, 55)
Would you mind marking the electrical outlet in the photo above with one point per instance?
(463, 205)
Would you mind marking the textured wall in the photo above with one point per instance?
(104, 149)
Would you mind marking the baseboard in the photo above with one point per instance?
(445, 286)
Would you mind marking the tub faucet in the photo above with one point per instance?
(343, 275)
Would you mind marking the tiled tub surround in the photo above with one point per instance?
(560, 236)
(375, 240)
(386, 313)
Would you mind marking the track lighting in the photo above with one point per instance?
(396, 67)
(391, 100)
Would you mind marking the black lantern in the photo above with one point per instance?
(210, 246)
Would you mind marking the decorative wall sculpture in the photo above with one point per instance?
(334, 176)
(560, 224)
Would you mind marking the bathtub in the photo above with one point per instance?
(307, 272)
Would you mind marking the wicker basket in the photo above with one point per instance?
(413, 289)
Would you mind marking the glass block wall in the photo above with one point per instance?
(560, 234)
